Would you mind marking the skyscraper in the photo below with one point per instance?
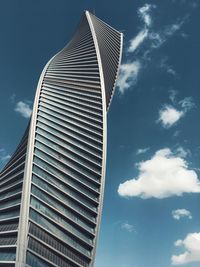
(51, 190)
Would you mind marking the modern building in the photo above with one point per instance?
(51, 190)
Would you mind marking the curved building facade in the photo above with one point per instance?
(51, 190)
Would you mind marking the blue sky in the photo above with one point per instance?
(151, 207)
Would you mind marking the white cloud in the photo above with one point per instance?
(164, 175)
(142, 150)
(144, 14)
(138, 40)
(168, 116)
(181, 213)
(4, 156)
(128, 227)
(23, 109)
(128, 75)
(192, 250)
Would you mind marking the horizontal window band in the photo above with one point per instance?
(12, 172)
(55, 231)
(53, 111)
(9, 214)
(57, 193)
(69, 113)
(7, 256)
(7, 241)
(10, 202)
(15, 159)
(67, 79)
(68, 133)
(41, 134)
(67, 156)
(47, 253)
(87, 54)
(75, 92)
(6, 227)
(83, 241)
(33, 259)
(8, 209)
(71, 167)
(68, 83)
(70, 146)
(63, 210)
(58, 108)
(65, 96)
(94, 77)
(81, 105)
(58, 244)
(72, 175)
(58, 231)
(59, 184)
(58, 252)
(4, 189)
(11, 194)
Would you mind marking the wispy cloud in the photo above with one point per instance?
(155, 39)
(128, 227)
(172, 95)
(128, 75)
(164, 175)
(129, 71)
(142, 150)
(187, 103)
(165, 66)
(144, 13)
(191, 244)
(23, 108)
(138, 40)
(182, 152)
(160, 37)
(181, 213)
(12, 98)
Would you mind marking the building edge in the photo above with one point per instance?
(104, 133)
(22, 240)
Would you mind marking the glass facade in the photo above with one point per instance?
(51, 191)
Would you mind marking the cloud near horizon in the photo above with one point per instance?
(191, 244)
(164, 175)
